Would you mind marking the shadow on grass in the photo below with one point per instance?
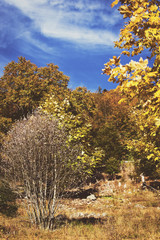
(81, 193)
(4, 230)
(8, 198)
(62, 220)
(8, 210)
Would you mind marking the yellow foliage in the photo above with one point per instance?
(114, 3)
(140, 79)
(75, 109)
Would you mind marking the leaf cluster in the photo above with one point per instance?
(24, 86)
(75, 110)
(139, 80)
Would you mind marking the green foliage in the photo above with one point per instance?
(112, 166)
(110, 141)
(145, 166)
(8, 205)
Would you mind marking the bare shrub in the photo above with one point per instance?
(37, 155)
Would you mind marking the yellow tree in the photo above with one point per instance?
(140, 79)
(75, 110)
(23, 86)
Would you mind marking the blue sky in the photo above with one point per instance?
(76, 35)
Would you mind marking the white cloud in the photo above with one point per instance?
(11, 26)
(82, 21)
(27, 36)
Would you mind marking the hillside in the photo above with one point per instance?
(120, 211)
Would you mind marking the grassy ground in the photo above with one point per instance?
(129, 215)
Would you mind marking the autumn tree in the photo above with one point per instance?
(24, 86)
(112, 125)
(75, 110)
(140, 79)
(36, 155)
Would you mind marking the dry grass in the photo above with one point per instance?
(130, 215)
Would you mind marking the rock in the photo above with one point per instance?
(81, 215)
(91, 215)
(139, 206)
(91, 197)
(104, 215)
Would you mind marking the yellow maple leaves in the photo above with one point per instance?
(114, 3)
(143, 27)
(140, 79)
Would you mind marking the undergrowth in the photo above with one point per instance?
(129, 216)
